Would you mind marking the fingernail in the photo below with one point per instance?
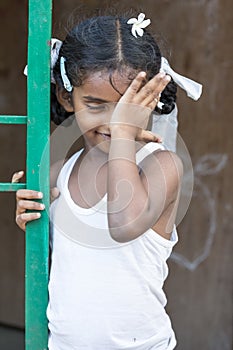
(40, 195)
(42, 206)
(142, 74)
(38, 215)
(20, 173)
(168, 78)
(162, 74)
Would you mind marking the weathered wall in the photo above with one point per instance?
(199, 36)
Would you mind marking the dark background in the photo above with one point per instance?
(196, 36)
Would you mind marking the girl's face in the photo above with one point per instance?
(93, 104)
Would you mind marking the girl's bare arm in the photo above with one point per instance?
(136, 202)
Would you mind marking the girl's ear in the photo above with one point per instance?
(65, 99)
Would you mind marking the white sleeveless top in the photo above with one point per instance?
(104, 295)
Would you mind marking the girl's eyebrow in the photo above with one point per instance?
(95, 99)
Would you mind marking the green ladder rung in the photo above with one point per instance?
(11, 187)
(13, 119)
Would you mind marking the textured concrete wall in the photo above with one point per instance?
(198, 36)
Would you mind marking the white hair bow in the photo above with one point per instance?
(55, 48)
(192, 88)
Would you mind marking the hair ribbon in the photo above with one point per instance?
(192, 88)
(55, 48)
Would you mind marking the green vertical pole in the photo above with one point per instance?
(37, 232)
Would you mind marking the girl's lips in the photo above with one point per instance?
(105, 135)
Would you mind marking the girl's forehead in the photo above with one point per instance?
(105, 83)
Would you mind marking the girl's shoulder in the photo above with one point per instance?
(163, 167)
(55, 170)
(56, 167)
(163, 160)
(153, 154)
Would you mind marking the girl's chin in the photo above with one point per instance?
(104, 146)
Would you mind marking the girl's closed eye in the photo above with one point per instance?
(96, 106)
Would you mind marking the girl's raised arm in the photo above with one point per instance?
(136, 203)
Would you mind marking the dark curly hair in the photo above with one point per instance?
(106, 43)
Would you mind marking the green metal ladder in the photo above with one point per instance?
(38, 130)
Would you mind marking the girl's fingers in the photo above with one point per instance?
(148, 136)
(147, 95)
(134, 87)
(17, 176)
(24, 202)
(150, 93)
(22, 219)
(23, 205)
(28, 194)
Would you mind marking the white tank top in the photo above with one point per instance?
(104, 295)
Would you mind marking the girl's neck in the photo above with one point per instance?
(88, 179)
(94, 154)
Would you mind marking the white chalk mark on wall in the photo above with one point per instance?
(209, 164)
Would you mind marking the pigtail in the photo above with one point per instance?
(168, 98)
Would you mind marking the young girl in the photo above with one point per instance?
(112, 226)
